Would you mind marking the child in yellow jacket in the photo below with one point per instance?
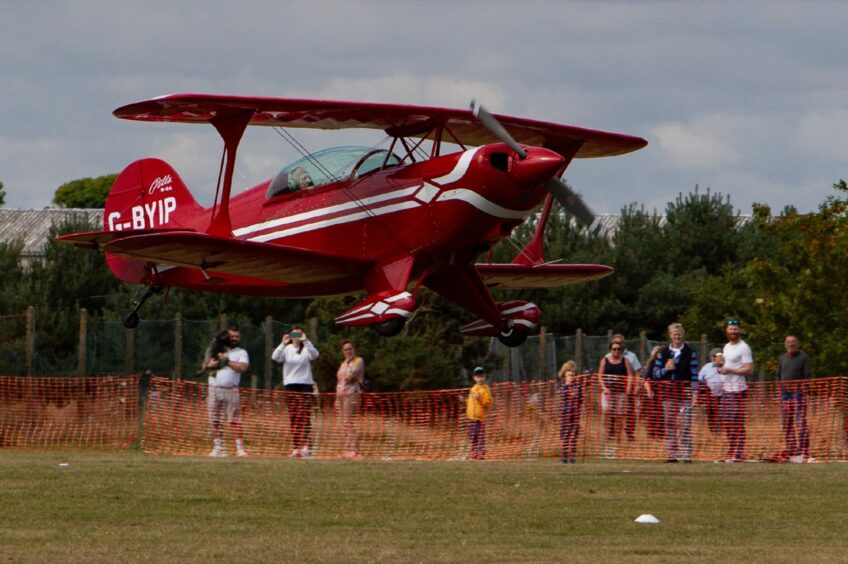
(479, 401)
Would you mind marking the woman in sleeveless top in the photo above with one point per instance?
(615, 377)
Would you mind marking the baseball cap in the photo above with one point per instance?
(479, 370)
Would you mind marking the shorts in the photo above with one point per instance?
(221, 401)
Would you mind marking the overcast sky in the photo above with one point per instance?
(749, 99)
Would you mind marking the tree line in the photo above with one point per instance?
(699, 263)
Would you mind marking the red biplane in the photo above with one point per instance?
(348, 220)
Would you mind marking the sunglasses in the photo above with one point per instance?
(733, 322)
(615, 348)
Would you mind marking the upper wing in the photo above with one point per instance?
(235, 256)
(396, 120)
(516, 276)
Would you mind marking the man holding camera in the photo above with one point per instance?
(228, 366)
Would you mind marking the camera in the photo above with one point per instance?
(220, 343)
(296, 334)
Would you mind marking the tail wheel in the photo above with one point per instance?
(512, 337)
(131, 320)
(390, 327)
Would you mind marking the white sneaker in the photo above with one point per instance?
(241, 452)
(295, 453)
(797, 459)
(218, 452)
(305, 452)
(811, 460)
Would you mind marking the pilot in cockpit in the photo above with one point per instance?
(299, 179)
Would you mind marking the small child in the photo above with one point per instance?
(479, 401)
(570, 392)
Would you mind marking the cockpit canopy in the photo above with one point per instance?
(330, 165)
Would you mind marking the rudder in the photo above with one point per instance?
(147, 195)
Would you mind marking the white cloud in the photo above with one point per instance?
(696, 146)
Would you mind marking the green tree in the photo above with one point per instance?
(64, 281)
(84, 192)
(2, 195)
(10, 266)
(792, 285)
(428, 354)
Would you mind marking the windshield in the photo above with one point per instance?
(329, 165)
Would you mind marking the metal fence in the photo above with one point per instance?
(175, 347)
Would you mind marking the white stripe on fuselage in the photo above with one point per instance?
(372, 212)
(481, 203)
(460, 169)
(357, 204)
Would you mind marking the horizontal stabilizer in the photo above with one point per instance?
(98, 239)
(519, 276)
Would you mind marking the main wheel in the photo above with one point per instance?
(131, 320)
(390, 328)
(512, 337)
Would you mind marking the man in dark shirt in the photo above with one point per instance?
(792, 369)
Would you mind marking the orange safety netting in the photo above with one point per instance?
(527, 421)
(99, 412)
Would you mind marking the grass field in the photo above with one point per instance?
(128, 506)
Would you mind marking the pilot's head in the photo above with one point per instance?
(300, 178)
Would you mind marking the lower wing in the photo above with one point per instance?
(517, 276)
(223, 254)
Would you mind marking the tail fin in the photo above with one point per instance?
(147, 195)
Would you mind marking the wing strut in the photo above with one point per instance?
(231, 127)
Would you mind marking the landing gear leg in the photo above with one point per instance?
(131, 318)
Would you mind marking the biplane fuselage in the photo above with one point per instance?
(385, 226)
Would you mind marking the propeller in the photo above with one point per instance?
(567, 198)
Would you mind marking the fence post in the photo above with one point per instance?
(703, 352)
(30, 338)
(313, 328)
(507, 361)
(83, 334)
(269, 348)
(178, 346)
(578, 349)
(129, 358)
(643, 346)
(222, 321)
(543, 354)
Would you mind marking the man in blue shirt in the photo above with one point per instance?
(676, 368)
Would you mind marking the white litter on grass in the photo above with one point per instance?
(63, 465)
(647, 519)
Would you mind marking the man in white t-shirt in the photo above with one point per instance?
(223, 397)
(738, 364)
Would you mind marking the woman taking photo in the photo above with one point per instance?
(296, 352)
